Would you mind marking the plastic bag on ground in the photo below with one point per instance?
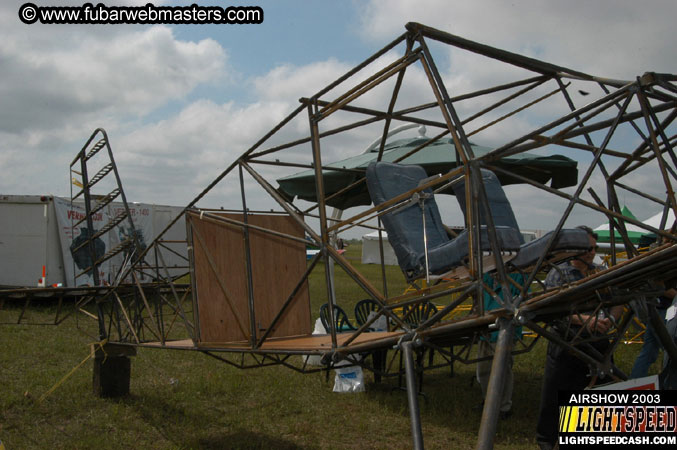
(349, 379)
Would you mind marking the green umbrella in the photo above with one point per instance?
(436, 158)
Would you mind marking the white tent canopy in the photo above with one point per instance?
(628, 226)
(371, 253)
(655, 221)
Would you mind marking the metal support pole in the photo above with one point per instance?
(492, 402)
(381, 253)
(412, 395)
(248, 262)
(421, 203)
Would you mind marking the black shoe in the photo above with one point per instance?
(545, 445)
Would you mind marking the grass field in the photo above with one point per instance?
(184, 400)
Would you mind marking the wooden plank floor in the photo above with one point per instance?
(310, 343)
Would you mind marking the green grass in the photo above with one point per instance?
(184, 400)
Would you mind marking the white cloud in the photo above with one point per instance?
(125, 74)
(61, 82)
(173, 160)
(619, 39)
(289, 82)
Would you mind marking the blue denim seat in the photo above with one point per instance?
(404, 224)
(568, 240)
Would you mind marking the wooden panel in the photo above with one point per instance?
(309, 343)
(318, 342)
(277, 267)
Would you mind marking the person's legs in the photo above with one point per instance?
(647, 355)
(649, 352)
(483, 372)
(563, 371)
(506, 397)
(546, 427)
(483, 368)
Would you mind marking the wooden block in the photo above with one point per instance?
(111, 376)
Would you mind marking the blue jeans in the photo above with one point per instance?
(563, 372)
(649, 352)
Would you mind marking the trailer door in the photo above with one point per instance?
(23, 243)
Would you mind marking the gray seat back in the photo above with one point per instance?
(501, 210)
(405, 226)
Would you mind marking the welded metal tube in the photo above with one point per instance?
(412, 395)
(492, 401)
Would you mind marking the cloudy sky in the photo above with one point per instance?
(181, 102)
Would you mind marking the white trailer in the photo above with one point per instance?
(30, 248)
(35, 240)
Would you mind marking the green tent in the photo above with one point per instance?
(634, 232)
(436, 158)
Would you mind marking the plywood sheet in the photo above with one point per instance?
(309, 343)
(222, 288)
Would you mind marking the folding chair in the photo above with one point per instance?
(414, 315)
(363, 309)
(341, 321)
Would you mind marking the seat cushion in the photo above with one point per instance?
(568, 239)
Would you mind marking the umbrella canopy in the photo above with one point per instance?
(437, 158)
(634, 232)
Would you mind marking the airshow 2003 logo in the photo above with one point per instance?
(635, 419)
